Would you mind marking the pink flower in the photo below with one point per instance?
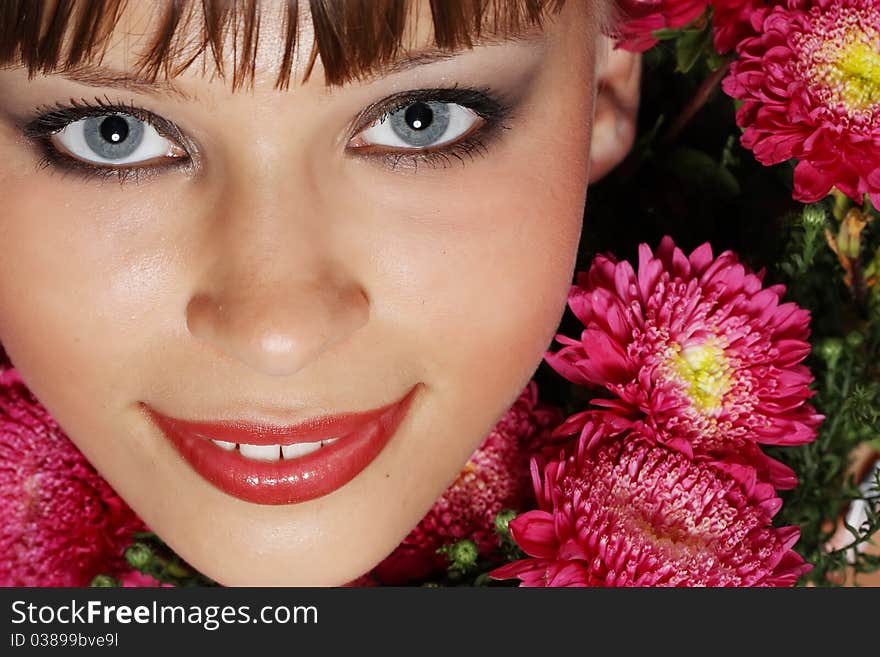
(641, 18)
(697, 354)
(810, 86)
(732, 21)
(62, 523)
(137, 579)
(631, 513)
(495, 477)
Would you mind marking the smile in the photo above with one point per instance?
(271, 464)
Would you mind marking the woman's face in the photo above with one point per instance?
(265, 267)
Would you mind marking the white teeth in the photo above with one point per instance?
(273, 452)
(299, 449)
(260, 452)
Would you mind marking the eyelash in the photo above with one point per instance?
(490, 107)
(52, 119)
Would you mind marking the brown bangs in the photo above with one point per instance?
(353, 38)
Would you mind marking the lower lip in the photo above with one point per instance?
(287, 481)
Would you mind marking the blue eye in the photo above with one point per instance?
(114, 139)
(421, 124)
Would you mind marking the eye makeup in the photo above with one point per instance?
(491, 108)
(50, 120)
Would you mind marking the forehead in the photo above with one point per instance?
(346, 39)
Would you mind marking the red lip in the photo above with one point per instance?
(287, 481)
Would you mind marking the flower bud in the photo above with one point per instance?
(139, 555)
(855, 339)
(830, 350)
(813, 217)
(502, 520)
(463, 554)
(103, 581)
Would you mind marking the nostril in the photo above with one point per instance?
(198, 315)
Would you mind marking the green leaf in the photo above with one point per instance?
(701, 171)
(690, 47)
(715, 61)
(665, 34)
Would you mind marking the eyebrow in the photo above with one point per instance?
(100, 76)
(92, 75)
(432, 55)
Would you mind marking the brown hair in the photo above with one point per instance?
(352, 37)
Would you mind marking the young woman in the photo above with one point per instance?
(277, 268)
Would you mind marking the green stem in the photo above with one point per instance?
(847, 381)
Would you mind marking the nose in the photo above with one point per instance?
(279, 327)
(272, 297)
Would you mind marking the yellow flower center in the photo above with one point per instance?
(839, 56)
(854, 75)
(705, 372)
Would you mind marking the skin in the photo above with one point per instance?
(284, 278)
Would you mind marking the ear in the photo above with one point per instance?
(618, 73)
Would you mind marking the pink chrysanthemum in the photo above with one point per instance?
(496, 477)
(639, 20)
(630, 513)
(810, 86)
(137, 579)
(732, 21)
(696, 353)
(62, 523)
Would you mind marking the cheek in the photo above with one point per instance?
(77, 289)
(502, 279)
(486, 274)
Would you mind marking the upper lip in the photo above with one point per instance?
(266, 433)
